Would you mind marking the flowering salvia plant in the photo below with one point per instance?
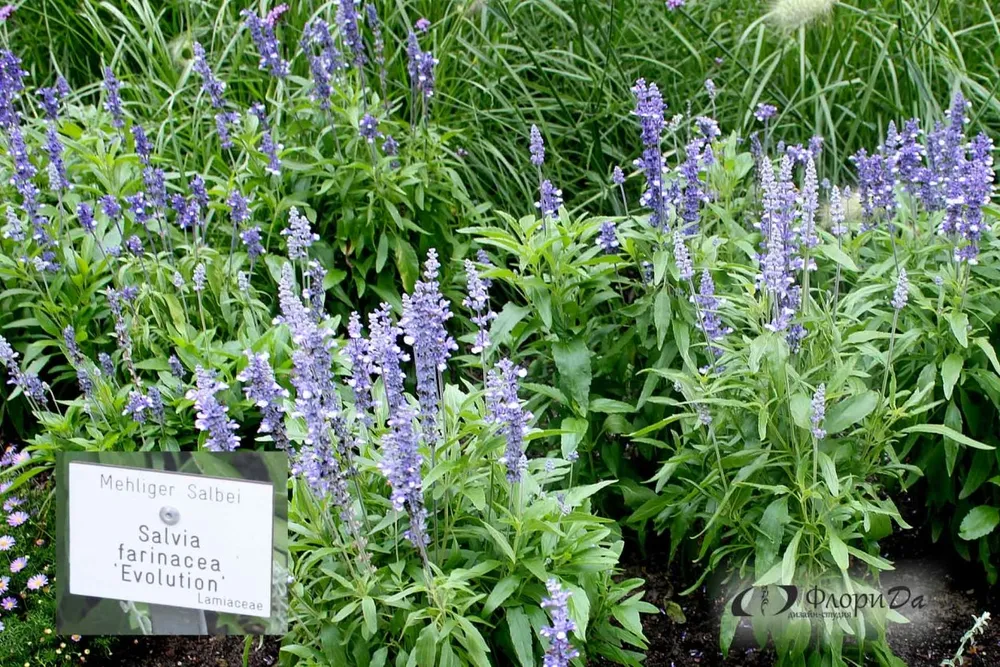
(786, 375)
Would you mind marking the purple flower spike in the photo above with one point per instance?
(550, 200)
(260, 387)
(618, 176)
(387, 355)
(505, 409)
(211, 414)
(818, 412)
(607, 239)
(478, 301)
(262, 33)
(299, 235)
(537, 147)
(113, 102)
(210, 84)
(348, 23)
(137, 406)
(358, 350)
(368, 128)
(560, 651)
(765, 112)
(425, 313)
(902, 291)
(649, 108)
(681, 256)
(251, 239)
(401, 463)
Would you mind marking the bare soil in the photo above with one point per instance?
(213, 651)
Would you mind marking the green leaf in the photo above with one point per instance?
(505, 322)
(951, 369)
(788, 560)
(801, 407)
(757, 349)
(850, 411)
(407, 264)
(500, 541)
(839, 256)
(579, 609)
(503, 590)
(426, 649)
(573, 363)
(839, 551)
(772, 576)
(955, 436)
(382, 253)
(521, 637)
(874, 561)
(573, 431)
(986, 347)
(610, 406)
(959, 322)
(661, 316)
(629, 618)
(727, 629)
(368, 611)
(978, 522)
(829, 472)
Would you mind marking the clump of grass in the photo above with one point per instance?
(794, 14)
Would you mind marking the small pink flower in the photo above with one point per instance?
(5, 12)
(75, 638)
(11, 503)
(37, 581)
(4, 584)
(17, 519)
(7, 542)
(8, 603)
(17, 565)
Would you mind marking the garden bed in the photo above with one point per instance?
(194, 652)
(955, 591)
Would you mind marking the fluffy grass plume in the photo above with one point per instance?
(793, 14)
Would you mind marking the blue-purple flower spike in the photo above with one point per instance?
(210, 84)
(425, 313)
(649, 108)
(262, 33)
(818, 412)
(260, 387)
(505, 409)
(537, 147)
(560, 651)
(299, 235)
(350, 32)
(212, 417)
(478, 301)
(550, 200)
(387, 356)
(902, 291)
(401, 463)
(358, 350)
(113, 101)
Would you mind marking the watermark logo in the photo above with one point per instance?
(819, 602)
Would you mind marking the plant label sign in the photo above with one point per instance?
(170, 538)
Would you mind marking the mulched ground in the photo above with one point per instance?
(217, 651)
(954, 590)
